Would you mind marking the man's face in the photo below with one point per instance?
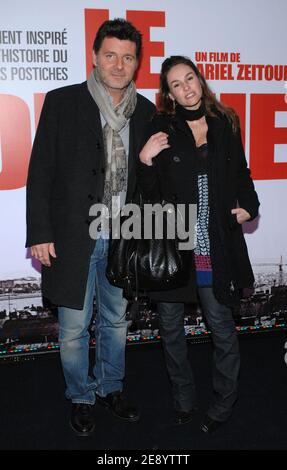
(116, 62)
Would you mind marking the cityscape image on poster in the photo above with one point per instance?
(28, 325)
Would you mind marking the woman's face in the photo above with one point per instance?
(184, 86)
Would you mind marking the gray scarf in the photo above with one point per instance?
(116, 119)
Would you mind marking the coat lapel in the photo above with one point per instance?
(182, 125)
(215, 133)
(135, 140)
(217, 147)
(90, 113)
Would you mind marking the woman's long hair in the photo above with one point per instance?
(211, 103)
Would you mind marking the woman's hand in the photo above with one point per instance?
(153, 147)
(241, 214)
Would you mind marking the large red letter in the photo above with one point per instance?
(93, 20)
(143, 20)
(15, 137)
(264, 135)
(38, 104)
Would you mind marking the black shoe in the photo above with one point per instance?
(82, 421)
(119, 407)
(210, 425)
(183, 417)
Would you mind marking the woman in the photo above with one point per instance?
(194, 155)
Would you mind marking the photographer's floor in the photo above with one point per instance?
(35, 415)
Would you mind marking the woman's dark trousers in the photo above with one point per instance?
(226, 358)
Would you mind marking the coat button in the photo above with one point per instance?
(98, 145)
(102, 170)
(176, 159)
(94, 171)
(91, 197)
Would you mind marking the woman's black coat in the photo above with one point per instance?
(173, 178)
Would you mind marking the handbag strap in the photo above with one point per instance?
(128, 291)
(136, 277)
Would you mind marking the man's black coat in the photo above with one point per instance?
(66, 176)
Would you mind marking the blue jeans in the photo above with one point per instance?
(111, 331)
(171, 323)
(226, 357)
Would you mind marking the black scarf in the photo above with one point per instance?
(191, 114)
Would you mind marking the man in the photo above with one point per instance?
(85, 151)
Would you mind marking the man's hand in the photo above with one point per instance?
(155, 144)
(241, 214)
(43, 251)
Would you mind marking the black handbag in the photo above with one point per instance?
(151, 264)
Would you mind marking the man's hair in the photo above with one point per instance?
(120, 29)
